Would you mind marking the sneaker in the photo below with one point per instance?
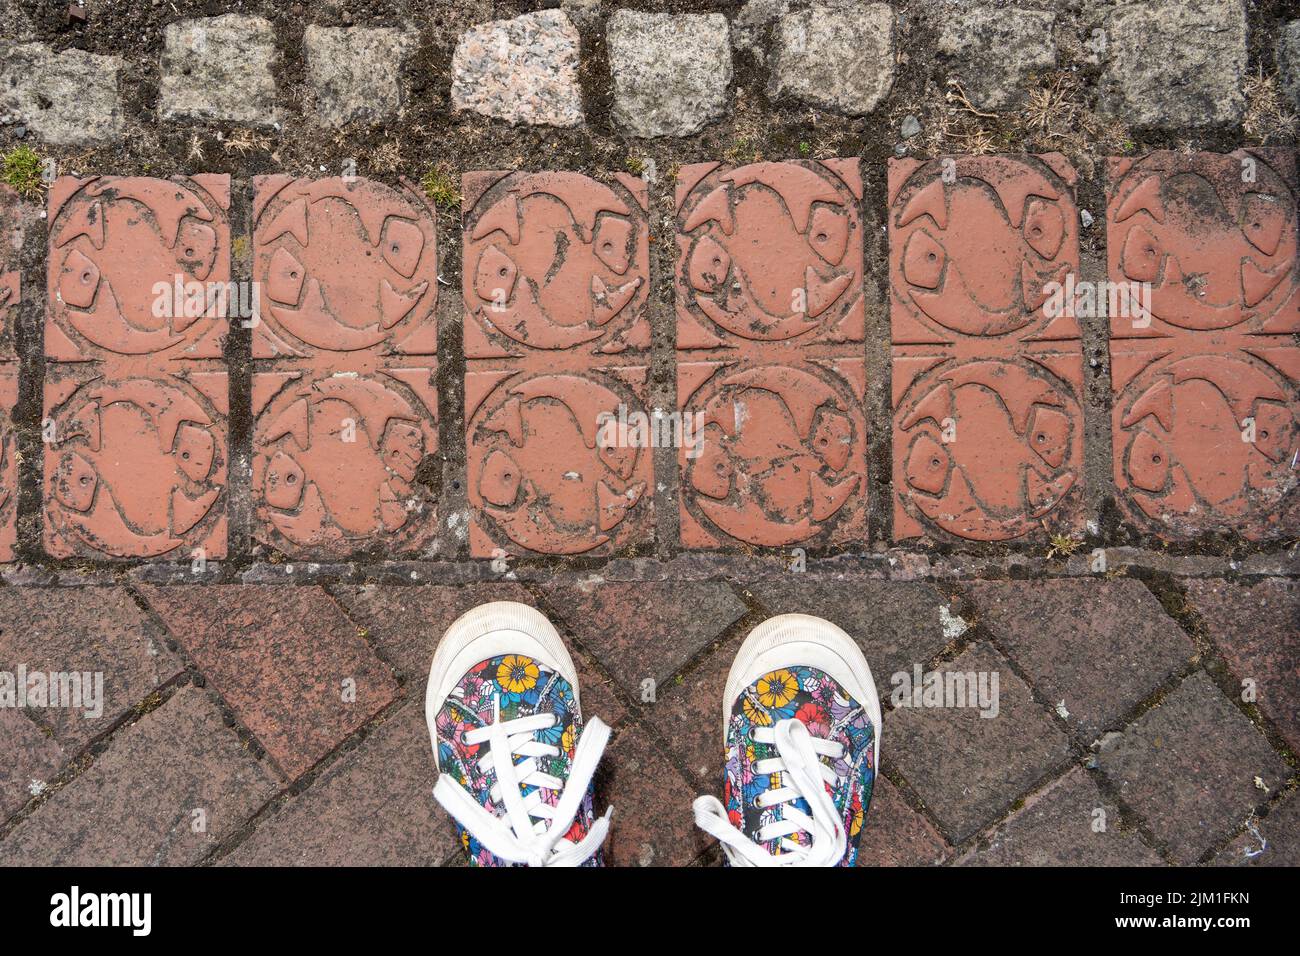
(801, 725)
(514, 760)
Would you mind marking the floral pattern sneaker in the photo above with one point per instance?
(801, 724)
(515, 761)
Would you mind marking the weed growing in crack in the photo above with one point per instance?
(440, 186)
(22, 172)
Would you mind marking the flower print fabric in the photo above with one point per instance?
(519, 687)
(814, 698)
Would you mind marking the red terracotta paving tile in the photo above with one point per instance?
(282, 657)
(555, 336)
(345, 267)
(555, 262)
(1216, 359)
(770, 375)
(788, 236)
(337, 457)
(136, 393)
(346, 407)
(987, 372)
(118, 248)
(137, 465)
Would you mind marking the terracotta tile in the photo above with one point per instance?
(137, 464)
(286, 659)
(769, 253)
(119, 248)
(345, 267)
(136, 394)
(346, 407)
(987, 370)
(771, 379)
(1215, 363)
(554, 262)
(543, 474)
(337, 460)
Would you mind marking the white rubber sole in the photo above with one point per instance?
(790, 640)
(487, 631)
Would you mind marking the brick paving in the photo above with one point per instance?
(256, 527)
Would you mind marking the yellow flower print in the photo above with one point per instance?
(568, 739)
(855, 821)
(517, 674)
(777, 688)
(756, 715)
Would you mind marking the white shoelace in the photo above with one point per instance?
(803, 774)
(529, 830)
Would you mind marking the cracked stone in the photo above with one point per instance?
(993, 49)
(671, 73)
(219, 68)
(1175, 63)
(834, 57)
(356, 71)
(523, 70)
(68, 98)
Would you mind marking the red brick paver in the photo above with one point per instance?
(645, 631)
(1275, 842)
(1206, 420)
(1069, 823)
(32, 758)
(770, 321)
(346, 407)
(86, 631)
(288, 662)
(896, 835)
(1257, 627)
(987, 364)
(1189, 767)
(135, 390)
(556, 277)
(374, 807)
(967, 768)
(166, 792)
(1095, 648)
